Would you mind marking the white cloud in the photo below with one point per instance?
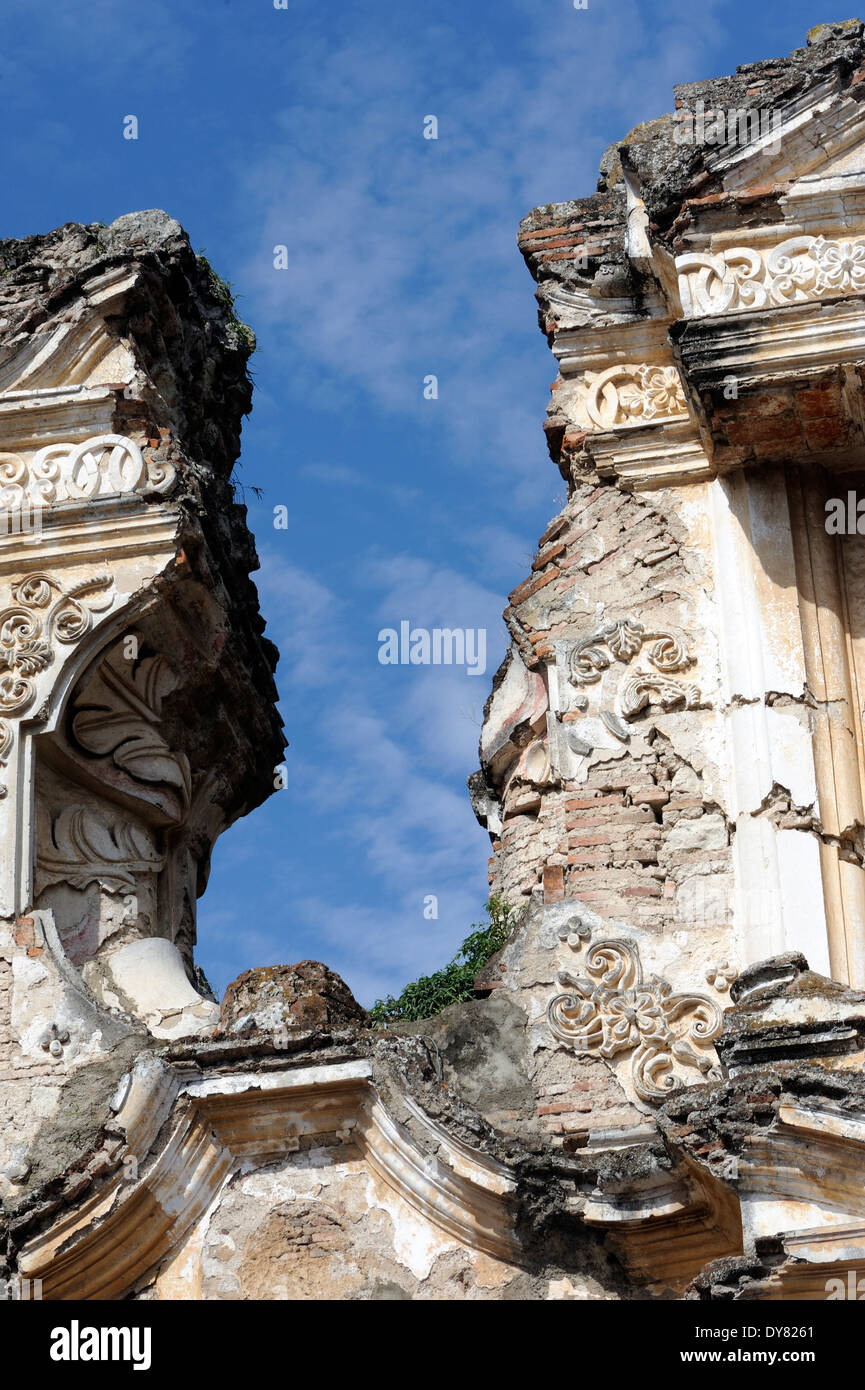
(303, 619)
(401, 251)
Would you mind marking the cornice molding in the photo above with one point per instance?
(188, 1134)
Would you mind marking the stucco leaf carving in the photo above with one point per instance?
(621, 640)
(117, 713)
(638, 690)
(80, 846)
(625, 638)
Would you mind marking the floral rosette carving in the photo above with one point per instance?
(612, 1009)
(635, 395)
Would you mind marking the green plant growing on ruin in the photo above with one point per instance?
(454, 983)
(224, 291)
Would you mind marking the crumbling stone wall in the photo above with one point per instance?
(596, 820)
(655, 758)
(606, 836)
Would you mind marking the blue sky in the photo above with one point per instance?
(303, 127)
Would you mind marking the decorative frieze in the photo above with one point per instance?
(797, 270)
(109, 465)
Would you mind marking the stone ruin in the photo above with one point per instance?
(658, 1089)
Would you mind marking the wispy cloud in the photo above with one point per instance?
(400, 250)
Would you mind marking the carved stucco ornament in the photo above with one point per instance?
(54, 1040)
(82, 845)
(42, 614)
(621, 640)
(117, 713)
(624, 638)
(625, 395)
(612, 1009)
(640, 689)
(720, 975)
(798, 269)
(109, 465)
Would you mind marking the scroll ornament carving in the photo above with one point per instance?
(634, 395)
(622, 640)
(612, 1009)
(41, 615)
(108, 465)
(799, 269)
(646, 686)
